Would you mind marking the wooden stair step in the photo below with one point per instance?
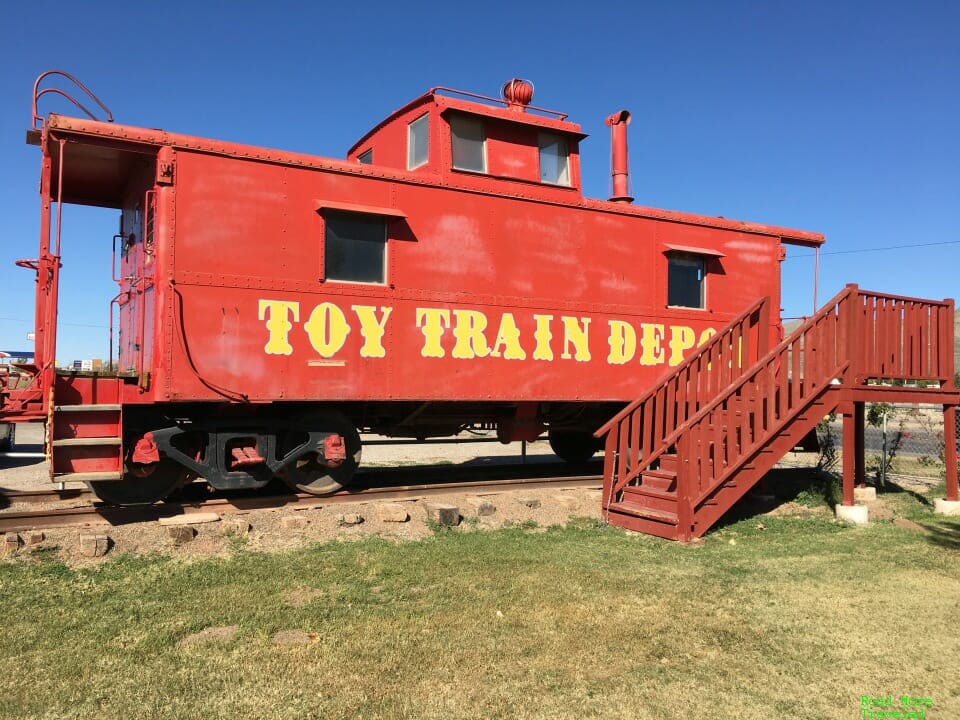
(629, 508)
(86, 442)
(86, 476)
(658, 480)
(669, 462)
(650, 491)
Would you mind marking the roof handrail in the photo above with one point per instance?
(499, 101)
(37, 94)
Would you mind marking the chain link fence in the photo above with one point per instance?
(899, 440)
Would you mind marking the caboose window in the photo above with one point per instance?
(467, 144)
(366, 158)
(685, 281)
(417, 137)
(554, 167)
(355, 246)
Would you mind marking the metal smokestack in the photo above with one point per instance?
(619, 161)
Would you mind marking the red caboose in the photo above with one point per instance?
(448, 272)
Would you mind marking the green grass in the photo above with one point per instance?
(797, 619)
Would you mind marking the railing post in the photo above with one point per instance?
(763, 331)
(851, 347)
(684, 494)
(609, 466)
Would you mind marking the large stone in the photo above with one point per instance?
(443, 514)
(864, 494)
(181, 534)
(856, 514)
(349, 519)
(11, 542)
(483, 507)
(394, 513)
(946, 507)
(94, 545)
(35, 537)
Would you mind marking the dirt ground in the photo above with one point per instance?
(292, 527)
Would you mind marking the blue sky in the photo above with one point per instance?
(836, 117)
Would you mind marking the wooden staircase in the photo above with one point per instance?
(686, 451)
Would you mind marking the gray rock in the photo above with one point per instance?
(443, 514)
(94, 545)
(181, 534)
(11, 542)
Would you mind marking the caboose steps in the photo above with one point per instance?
(678, 458)
(86, 476)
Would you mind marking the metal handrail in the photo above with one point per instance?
(37, 94)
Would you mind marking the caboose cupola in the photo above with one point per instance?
(480, 143)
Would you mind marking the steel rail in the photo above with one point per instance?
(98, 514)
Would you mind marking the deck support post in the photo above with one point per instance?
(950, 450)
(859, 463)
(854, 463)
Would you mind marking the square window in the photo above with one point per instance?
(355, 246)
(554, 167)
(685, 281)
(467, 144)
(366, 158)
(417, 139)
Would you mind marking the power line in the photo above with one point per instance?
(880, 249)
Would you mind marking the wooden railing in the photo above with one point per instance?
(762, 402)
(903, 338)
(645, 428)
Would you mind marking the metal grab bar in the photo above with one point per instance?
(37, 94)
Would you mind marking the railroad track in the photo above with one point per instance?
(98, 514)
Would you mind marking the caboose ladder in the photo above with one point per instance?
(686, 451)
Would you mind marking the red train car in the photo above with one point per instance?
(448, 272)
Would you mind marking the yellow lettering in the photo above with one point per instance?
(651, 349)
(277, 314)
(543, 336)
(327, 329)
(372, 329)
(681, 338)
(468, 327)
(623, 342)
(705, 336)
(432, 323)
(508, 337)
(577, 335)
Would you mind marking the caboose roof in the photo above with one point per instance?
(532, 116)
(98, 165)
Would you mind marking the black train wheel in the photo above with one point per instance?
(573, 446)
(165, 477)
(308, 473)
